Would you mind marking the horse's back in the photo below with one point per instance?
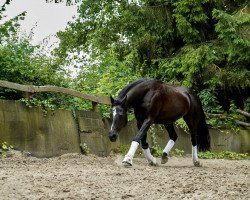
(166, 103)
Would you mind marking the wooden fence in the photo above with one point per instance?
(31, 89)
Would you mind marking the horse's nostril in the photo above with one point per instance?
(112, 138)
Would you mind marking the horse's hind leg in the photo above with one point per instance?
(192, 125)
(173, 137)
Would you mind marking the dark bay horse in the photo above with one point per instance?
(155, 102)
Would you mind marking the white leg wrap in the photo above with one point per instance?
(194, 153)
(169, 146)
(150, 158)
(130, 155)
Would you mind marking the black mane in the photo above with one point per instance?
(130, 86)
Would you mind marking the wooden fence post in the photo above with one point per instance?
(95, 106)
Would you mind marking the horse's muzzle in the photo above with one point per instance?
(112, 136)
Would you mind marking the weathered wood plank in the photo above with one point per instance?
(242, 123)
(243, 112)
(50, 88)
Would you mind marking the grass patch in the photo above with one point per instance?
(223, 155)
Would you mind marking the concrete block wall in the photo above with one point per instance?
(62, 131)
(53, 134)
(56, 133)
(28, 129)
(92, 132)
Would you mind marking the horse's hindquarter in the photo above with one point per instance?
(174, 103)
(158, 101)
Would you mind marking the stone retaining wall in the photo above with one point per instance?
(62, 131)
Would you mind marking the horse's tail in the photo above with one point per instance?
(203, 137)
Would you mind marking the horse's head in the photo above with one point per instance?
(118, 116)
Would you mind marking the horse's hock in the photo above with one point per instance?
(52, 134)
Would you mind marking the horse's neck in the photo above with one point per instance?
(134, 97)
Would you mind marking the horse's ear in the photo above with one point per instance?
(112, 100)
(123, 101)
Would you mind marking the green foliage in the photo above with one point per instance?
(247, 105)
(209, 101)
(67, 2)
(113, 80)
(121, 149)
(223, 155)
(5, 148)
(51, 101)
(176, 152)
(189, 16)
(156, 150)
(9, 27)
(182, 124)
(223, 121)
(234, 30)
(84, 148)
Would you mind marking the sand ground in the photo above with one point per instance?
(74, 176)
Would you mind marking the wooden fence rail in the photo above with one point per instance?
(246, 114)
(31, 89)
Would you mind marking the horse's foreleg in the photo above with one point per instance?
(173, 137)
(127, 161)
(166, 151)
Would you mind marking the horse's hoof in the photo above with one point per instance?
(164, 158)
(127, 161)
(153, 162)
(164, 161)
(126, 164)
(197, 164)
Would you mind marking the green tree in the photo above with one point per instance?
(203, 44)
